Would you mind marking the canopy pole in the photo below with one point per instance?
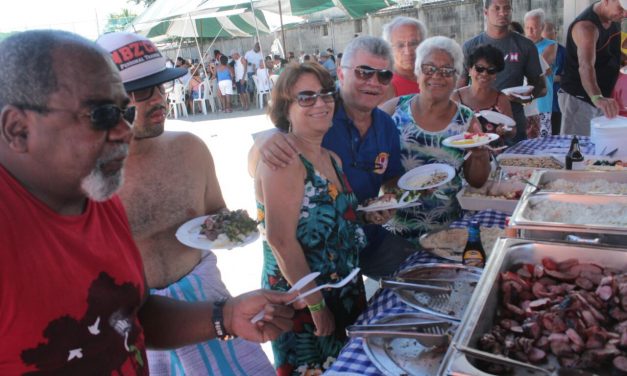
(178, 51)
(256, 27)
(200, 55)
(282, 31)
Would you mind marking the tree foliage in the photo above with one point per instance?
(119, 21)
(146, 3)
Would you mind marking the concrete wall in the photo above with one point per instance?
(459, 19)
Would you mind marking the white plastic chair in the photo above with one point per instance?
(202, 95)
(177, 98)
(260, 93)
(210, 95)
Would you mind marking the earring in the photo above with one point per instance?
(289, 126)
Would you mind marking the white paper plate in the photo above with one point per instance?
(189, 234)
(497, 118)
(416, 179)
(518, 90)
(449, 141)
(390, 206)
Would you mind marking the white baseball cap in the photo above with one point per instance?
(140, 63)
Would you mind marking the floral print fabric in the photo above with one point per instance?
(331, 241)
(420, 147)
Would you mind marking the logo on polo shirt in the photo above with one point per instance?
(381, 163)
(134, 53)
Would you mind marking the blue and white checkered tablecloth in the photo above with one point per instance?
(352, 358)
(550, 145)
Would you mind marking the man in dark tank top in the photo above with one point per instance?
(592, 66)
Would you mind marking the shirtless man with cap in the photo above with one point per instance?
(169, 179)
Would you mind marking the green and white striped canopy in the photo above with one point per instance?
(238, 18)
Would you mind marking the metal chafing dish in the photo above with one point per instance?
(481, 311)
(599, 233)
(541, 178)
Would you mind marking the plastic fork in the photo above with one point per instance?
(335, 285)
(297, 286)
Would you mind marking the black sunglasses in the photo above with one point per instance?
(308, 98)
(145, 94)
(364, 72)
(103, 117)
(430, 70)
(489, 70)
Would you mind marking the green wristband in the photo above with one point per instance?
(595, 98)
(317, 307)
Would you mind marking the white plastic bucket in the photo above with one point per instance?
(609, 134)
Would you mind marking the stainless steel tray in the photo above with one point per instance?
(542, 177)
(448, 305)
(481, 311)
(521, 217)
(404, 356)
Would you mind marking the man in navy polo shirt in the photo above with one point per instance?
(366, 140)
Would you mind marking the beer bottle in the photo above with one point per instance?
(474, 255)
(574, 158)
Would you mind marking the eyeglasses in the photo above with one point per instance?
(412, 44)
(308, 98)
(103, 117)
(430, 70)
(364, 72)
(481, 69)
(145, 94)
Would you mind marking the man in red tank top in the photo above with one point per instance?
(404, 34)
(72, 284)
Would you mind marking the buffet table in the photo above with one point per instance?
(353, 359)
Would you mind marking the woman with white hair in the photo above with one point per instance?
(424, 120)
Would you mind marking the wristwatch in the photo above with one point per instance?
(218, 321)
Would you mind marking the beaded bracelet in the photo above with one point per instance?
(317, 307)
(595, 98)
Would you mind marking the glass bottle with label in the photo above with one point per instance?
(574, 157)
(474, 255)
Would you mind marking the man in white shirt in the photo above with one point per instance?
(253, 58)
(240, 68)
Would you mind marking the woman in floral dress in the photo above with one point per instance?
(424, 120)
(308, 211)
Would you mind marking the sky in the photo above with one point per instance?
(84, 17)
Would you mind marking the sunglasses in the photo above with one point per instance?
(481, 69)
(308, 98)
(145, 94)
(430, 70)
(365, 73)
(103, 117)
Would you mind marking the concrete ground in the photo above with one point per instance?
(229, 137)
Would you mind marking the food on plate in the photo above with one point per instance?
(398, 198)
(471, 138)
(450, 243)
(421, 181)
(574, 311)
(537, 162)
(594, 186)
(613, 214)
(232, 226)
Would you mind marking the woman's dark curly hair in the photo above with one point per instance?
(489, 53)
(282, 95)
